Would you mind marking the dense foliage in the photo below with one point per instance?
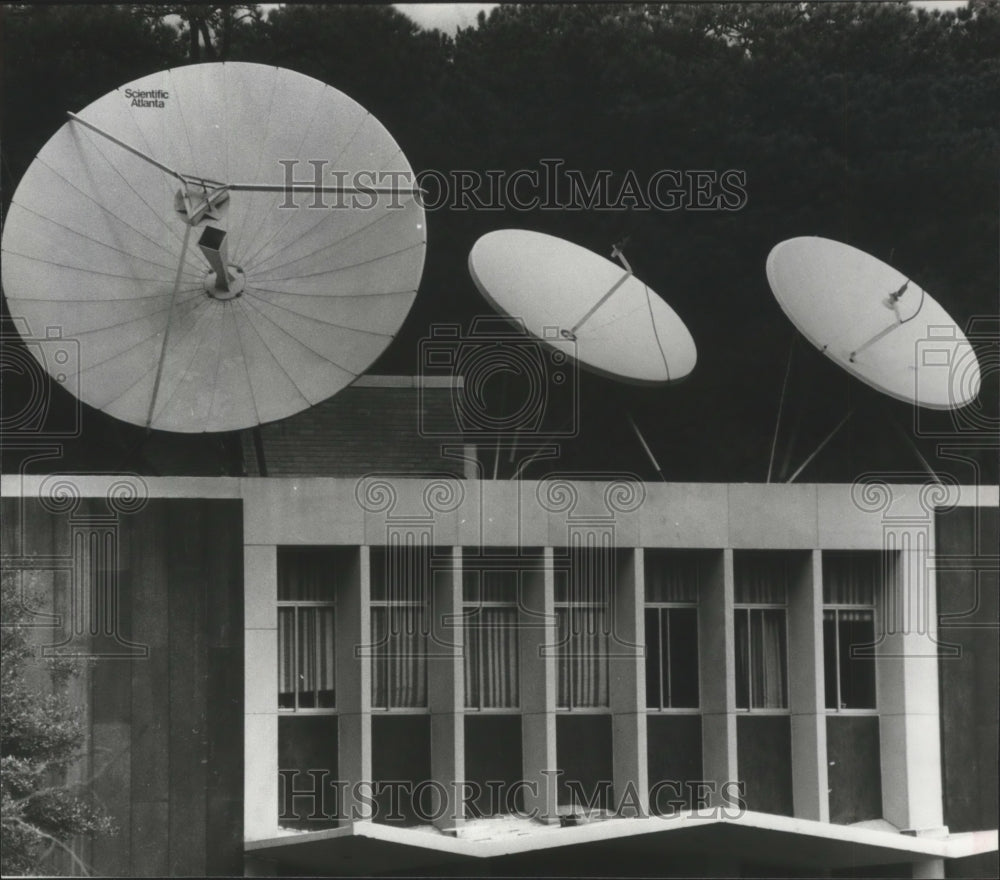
(41, 736)
(872, 123)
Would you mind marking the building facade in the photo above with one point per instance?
(395, 673)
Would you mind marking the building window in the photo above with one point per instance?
(307, 590)
(671, 614)
(850, 582)
(400, 622)
(491, 639)
(583, 618)
(761, 597)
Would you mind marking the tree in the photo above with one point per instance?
(207, 29)
(59, 58)
(41, 734)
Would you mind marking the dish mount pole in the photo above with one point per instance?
(616, 252)
(890, 302)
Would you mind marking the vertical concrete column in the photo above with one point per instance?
(907, 682)
(260, 691)
(354, 690)
(806, 698)
(628, 686)
(538, 637)
(717, 675)
(931, 869)
(446, 692)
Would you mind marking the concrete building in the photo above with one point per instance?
(406, 668)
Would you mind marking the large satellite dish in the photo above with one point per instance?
(874, 321)
(228, 244)
(583, 305)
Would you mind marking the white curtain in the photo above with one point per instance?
(399, 657)
(671, 576)
(850, 579)
(761, 578)
(761, 659)
(491, 658)
(770, 675)
(286, 658)
(583, 656)
(306, 662)
(399, 621)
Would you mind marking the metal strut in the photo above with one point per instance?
(166, 332)
(890, 302)
(617, 254)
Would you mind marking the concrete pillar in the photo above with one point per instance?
(932, 869)
(806, 698)
(354, 690)
(260, 691)
(538, 637)
(445, 692)
(717, 672)
(628, 686)
(907, 681)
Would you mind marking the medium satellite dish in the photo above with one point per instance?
(874, 322)
(583, 305)
(292, 290)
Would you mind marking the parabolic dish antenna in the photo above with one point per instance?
(224, 244)
(874, 322)
(583, 305)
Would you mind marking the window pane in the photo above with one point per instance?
(683, 658)
(471, 585)
(561, 586)
(767, 659)
(742, 658)
(401, 577)
(286, 658)
(325, 658)
(492, 664)
(306, 653)
(590, 663)
(499, 658)
(472, 647)
(653, 694)
(830, 658)
(407, 660)
(378, 578)
(499, 586)
(564, 662)
(857, 674)
(582, 601)
(583, 657)
(380, 651)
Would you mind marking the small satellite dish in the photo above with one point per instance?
(874, 321)
(310, 246)
(583, 305)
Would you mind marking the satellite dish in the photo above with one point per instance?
(874, 321)
(583, 305)
(310, 246)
